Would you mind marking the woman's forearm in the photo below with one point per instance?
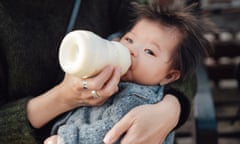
(172, 106)
(43, 108)
(70, 94)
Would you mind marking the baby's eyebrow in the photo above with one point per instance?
(156, 45)
(132, 33)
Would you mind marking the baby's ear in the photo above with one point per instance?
(172, 76)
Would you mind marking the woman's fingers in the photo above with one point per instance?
(51, 140)
(118, 129)
(97, 82)
(96, 90)
(90, 91)
(111, 86)
(108, 89)
(106, 82)
(143, 124)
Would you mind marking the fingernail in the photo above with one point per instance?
(107, 139)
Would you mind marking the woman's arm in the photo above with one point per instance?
(70, 94)
(147, 123)
(20, 118)
(184, 91)
(143, 126)
(82, 132)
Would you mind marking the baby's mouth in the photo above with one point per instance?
(125, 76)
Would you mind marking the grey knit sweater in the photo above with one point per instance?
(88, 125)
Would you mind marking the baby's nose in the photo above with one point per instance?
(133, 51)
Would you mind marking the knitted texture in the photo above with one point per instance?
(12, 121)
(88, 125)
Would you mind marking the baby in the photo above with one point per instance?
(165, 46)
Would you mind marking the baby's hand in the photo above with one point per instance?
(51, 140)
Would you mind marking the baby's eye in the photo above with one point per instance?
(148, 51)
(129, 40)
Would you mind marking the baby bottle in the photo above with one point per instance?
(84, 54)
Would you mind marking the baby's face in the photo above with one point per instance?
(151, 46)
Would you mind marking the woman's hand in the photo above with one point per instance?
(75, 93)
(70, 94)
(147, 123)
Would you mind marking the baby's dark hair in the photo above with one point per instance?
(193, 46)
